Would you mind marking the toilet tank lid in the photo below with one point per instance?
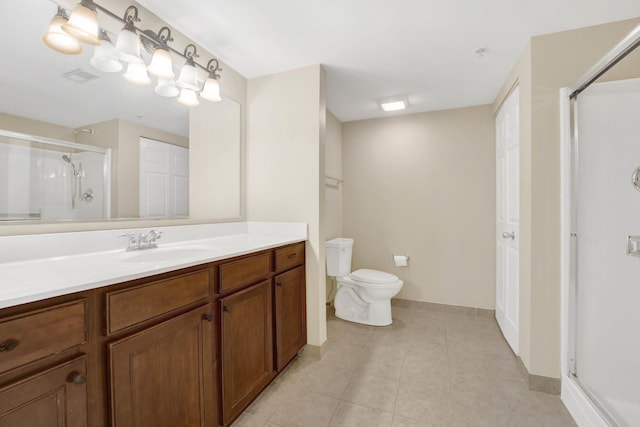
(373, 276)
(341, 242)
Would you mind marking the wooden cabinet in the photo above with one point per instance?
(56, 397)
(192, 347)
(246, 347)
(163, 375)
(290, 315)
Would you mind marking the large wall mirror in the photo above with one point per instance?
(61, 97)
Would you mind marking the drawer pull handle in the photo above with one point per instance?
(208, 317)
(293, 255)
(227, 309)
(77, 378)
(9, 344)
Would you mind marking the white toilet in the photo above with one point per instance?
(363, 296)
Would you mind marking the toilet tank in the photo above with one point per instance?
(339, 256)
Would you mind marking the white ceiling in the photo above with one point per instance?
(372, 49)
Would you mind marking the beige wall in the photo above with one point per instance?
(35, 127)
(551, 62)
(424, 185)
(333, 169)
(286, 165)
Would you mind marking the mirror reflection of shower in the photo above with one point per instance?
(76, 182)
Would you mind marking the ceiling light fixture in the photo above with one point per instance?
(394, 103)
(58, 39)
(83, 23)
(65, 35)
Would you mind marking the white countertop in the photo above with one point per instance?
(35, 267)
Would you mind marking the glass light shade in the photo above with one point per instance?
(83, 25)
(128, 46)
(188, 78)
(211, 90)
(167, 88)
(188, 97)
(59, 40)
(137, 74)
(161, 65)
(105, 58)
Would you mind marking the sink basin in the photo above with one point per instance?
(166, 254)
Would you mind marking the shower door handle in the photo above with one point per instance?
(511, 235)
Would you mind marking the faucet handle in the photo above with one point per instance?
(132, 241)
(154, 235)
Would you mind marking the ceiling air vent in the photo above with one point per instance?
(79, 76)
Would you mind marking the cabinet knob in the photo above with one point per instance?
(208, 317)
(227, 309)
(9, 344)
(278, 283)
(77, 378)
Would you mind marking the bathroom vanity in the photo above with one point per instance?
(188, 343)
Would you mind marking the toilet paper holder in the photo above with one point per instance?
(399, 261)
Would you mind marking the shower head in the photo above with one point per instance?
(67, 158)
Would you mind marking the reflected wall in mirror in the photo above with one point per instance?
(44, 95)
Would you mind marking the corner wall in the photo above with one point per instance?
(286, 167)
(424, 185)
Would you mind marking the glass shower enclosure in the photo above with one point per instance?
(47, 179)
(604, 290)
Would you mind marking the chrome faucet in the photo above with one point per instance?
(142, 240)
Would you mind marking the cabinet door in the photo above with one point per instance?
(247, 347)
(290, 312)
(163, 376)
(56, 397)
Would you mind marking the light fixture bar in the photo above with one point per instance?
(143, 33)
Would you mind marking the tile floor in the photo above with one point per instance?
(430, 368)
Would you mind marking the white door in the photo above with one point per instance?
(164, 179)
(179, 181)
(154, 178)
(507, 219)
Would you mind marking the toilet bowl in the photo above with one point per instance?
(363, 296)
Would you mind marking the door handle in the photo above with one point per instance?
(511, 235)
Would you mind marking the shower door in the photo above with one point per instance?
(607, 272)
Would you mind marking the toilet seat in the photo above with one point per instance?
(365, 275)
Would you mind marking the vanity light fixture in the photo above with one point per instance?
(166, 88)
(83, 23)
(105, 57)
(188, 74)
(137, 74)
(161, 64)
(65, 35)
(128, 43)
(211, 88)
(58, 39)
(188, 97)
(394, 103)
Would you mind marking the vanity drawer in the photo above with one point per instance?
(37, 334)
(130, 306)
(244, 271)
(290, 256)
